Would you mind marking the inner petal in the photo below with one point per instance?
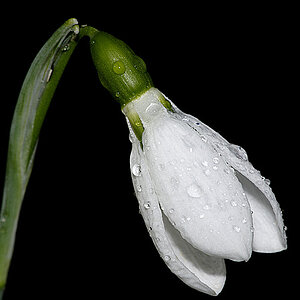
(267, 234)
(210, 270)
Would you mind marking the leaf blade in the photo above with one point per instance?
(34, 99)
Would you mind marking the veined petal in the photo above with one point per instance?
(269, 229)
(198, 270)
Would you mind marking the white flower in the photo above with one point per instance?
(200, 197)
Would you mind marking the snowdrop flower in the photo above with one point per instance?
(201, 199)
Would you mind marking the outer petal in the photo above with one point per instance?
(198, 192)
(269, 230)
(196, 269)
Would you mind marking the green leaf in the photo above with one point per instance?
(34, 99)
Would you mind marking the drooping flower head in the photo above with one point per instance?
(201, 199)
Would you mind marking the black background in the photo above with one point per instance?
(80, 235)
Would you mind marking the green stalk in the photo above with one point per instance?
(34, 99)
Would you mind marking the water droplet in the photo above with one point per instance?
(171, 210)
(203, 138)
(252, 229)
(201, 216)
(136, 170)
(233, 203)
(131, 137)
(167, 258)
(238, 151)
(236, 228)
(194, 190)
(216, 160)
(117, 94)
(244, 221)
(138, 124)
(118, 67)
(66, 48)
(147, 205)
(267, 181)
(139, 188)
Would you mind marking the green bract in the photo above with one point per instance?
(120, 71)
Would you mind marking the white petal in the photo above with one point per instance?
(268, 237)
(269, 230)
(207, 199)
(196, 269)
(192, 180)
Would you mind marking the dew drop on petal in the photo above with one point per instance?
(236, 228)
(216, 160)
(147, 205)
(136, 170)
(233, 203)
(203, 138)
(167, 258)
(267, 181)
(194, 190)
